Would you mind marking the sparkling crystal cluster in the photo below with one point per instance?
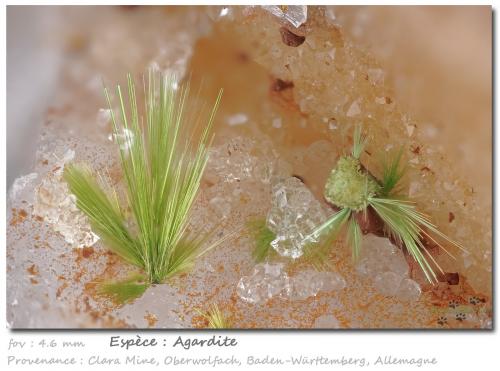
(232, 161)
(241, 171)
(241, 158)
(386, 266)
(57, 206)
(294, 214)
(271, 280)
(266, 281)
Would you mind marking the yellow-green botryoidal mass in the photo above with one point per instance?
(348, 185)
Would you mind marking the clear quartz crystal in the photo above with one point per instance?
(241, 159)
(270, 280)
(379, 255)
(387, 283)
(232, 161)
(306, 284)
(294, 14)
(293, 216)
(20, 184)
(408, 290)
(57, 206)
(266, 281)
(310, 283)
(332, 281)
(386, 265)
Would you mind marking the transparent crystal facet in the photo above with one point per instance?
(270, 280)
(293, 216)
(57, 206)
(266, 281)
(20, 184)
(232, 161)
(294, 14)
(408, 290)
(310, 283)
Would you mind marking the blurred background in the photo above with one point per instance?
(34, 59)
(438, 60)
